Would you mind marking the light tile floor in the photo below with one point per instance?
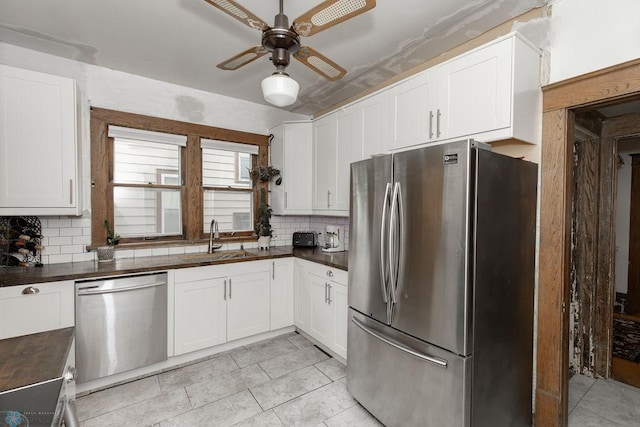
(279, 382)
(602, 403)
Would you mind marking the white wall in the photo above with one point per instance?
(588, 35)
(66, 238)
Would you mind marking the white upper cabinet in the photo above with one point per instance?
(349, 149)
(490, 93)
(38, 144)
(376, 124)
(325, 143)
(291, 150)
(414, 104)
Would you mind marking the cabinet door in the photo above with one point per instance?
(248, 303)
(297, 176)
(276, 152)
(324, 162)
(338, 296)
(415, 111)
(30, 309)
(376, 120)
(322, 317)
(200, 314)
(38, 129)
(349, 149)
(281, 293)
(474, 93)
(302, 295)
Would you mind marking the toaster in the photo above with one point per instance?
(304, 239)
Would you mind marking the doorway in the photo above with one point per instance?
(561, 101)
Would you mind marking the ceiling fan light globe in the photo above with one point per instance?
(280, 90)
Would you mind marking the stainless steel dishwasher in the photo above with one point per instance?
(121, 324)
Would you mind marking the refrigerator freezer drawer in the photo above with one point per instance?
(403, 381)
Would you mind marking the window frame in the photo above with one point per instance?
(191, 174)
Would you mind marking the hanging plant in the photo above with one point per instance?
(264, 173)
(112, 238)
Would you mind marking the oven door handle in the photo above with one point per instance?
(98, 290)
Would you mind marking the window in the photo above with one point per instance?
(147, 189)
(227, 194)
(162, 180)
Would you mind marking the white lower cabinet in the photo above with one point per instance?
(216, 304)
(322, 304)
(30, 309)
(248, 305)
(281, 293)
(200, 314)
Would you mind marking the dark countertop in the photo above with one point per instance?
(35, 358)
(15, 276)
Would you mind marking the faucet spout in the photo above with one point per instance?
(213, 225)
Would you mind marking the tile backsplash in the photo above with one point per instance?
(65, 238)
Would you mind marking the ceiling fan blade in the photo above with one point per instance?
(319, 63)
(232, 8)
(243, 58)
(329, 13)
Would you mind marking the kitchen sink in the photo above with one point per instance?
(216, 256)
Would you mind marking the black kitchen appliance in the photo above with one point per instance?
(304, 239)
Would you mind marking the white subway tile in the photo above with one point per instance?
(43, 222)
(51, 250)
(44, 259)
(127, 253)
(159, 251)
(51, 232)
(176, 250)
(81, 240)
(61, 223)
(81, 222)
(60, 241)
(194, 249)
(86, 256)
(58, 259)
(72, 249)
(138, 253)
(86, 231)
(70, 231)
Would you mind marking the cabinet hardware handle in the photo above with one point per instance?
(273, 270)
(70, 376)
(225, 289)
(329, 273)
(71, 191)
(325, 292)
(30, 290)
(438, 123)
(430, 124)
(328, 199)
(229, 288)
(329, 294)
(285, 200)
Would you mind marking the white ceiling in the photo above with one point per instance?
(181, 41)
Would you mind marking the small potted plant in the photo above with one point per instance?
(106, 253)
(263, 225)
(264, 174)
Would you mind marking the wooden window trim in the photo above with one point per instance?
(191, 164)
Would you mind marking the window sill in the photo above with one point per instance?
(151, 244)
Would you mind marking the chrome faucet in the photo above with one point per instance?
(213, 235)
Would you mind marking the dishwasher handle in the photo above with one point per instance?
(96, 290)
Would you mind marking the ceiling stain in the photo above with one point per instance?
(56, 46)
(190, 108)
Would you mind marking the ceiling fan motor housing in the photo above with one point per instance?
(281, 40)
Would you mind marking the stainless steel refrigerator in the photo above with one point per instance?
(441, 286)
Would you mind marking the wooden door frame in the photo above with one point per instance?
(610, 85)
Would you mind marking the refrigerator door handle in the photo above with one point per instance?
(435, 360)
(393, 244)
(383, 245)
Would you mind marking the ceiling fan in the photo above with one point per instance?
(283, 41)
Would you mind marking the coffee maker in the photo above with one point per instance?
(334, 239)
